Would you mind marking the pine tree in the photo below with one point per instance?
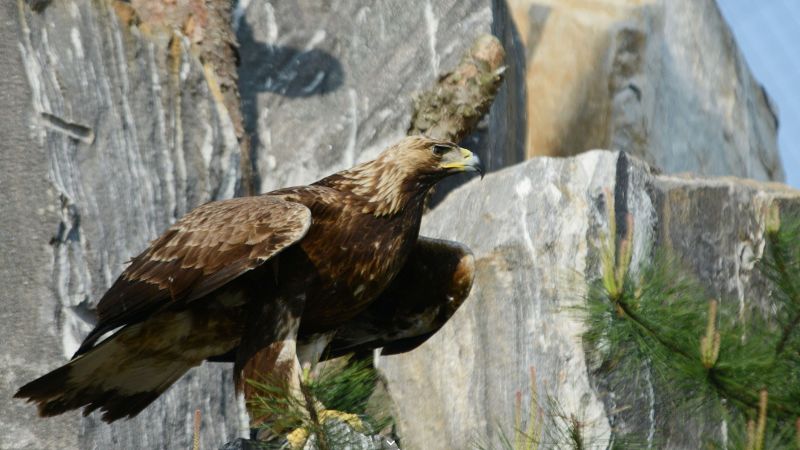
(745, 364)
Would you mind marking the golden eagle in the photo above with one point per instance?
(274, 283)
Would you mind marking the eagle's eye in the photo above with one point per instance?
(440, 149)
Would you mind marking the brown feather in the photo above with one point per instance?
(434, 282)
(202, 289)
(185, 262)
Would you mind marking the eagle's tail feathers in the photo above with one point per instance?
(111, 377)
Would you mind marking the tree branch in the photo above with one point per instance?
(453, 108)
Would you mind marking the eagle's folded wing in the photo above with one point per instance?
(434, 282)
(208, 247)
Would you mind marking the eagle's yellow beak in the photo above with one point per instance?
(462, 160)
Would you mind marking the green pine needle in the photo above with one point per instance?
(659, 318)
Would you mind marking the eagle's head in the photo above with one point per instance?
(403, 173)
(426, 160)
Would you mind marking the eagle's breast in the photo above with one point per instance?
(352, 256)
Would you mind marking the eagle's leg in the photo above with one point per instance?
(310, 349)
(270, 356)
(277, 397)
(309, 352)
(266, 366)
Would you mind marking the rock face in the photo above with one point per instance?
(660, 79)
(324, 87)
(536, 230)
(111, 132)
(112, 128)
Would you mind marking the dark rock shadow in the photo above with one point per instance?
(499, 139)
(287, 71)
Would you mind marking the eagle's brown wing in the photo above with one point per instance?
(208, 247)
(434, 282)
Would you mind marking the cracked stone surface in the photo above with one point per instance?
(113, 131)
(112, 134)
(324, 87)
(660, 79)
(536, 229)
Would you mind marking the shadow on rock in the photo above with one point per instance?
(286, 71)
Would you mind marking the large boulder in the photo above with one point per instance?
(661, 79)
(537, 229)
(117, 121)
(110, 132)
(114, 126)
(324, 87)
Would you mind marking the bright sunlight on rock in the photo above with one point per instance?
(624, 276)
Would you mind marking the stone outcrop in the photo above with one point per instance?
(111, 131)
(537, 229)
(119, 120)
(114, 125)
(660, 79)
(323, 88)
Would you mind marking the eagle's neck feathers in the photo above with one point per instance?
(381, 188)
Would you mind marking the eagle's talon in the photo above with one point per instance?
(298, 437)
(352, 420)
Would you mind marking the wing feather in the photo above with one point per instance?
(207, 248)
(434, 282)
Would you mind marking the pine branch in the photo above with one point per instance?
(786, 283)
(650, 331)
(635, 321)
(314, 419)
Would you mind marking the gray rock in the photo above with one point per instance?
(536, 229)
(683, 97)
(113, 133)
(325, 87)
(662, 79)
(108, 137)
(241, 444)
(106, 140)
(339, 436)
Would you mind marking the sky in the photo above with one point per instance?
(768, 34)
